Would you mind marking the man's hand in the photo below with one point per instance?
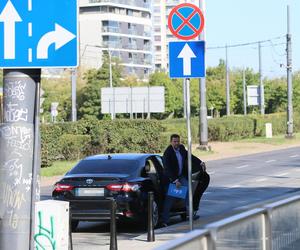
(203, 166)
(178, 184)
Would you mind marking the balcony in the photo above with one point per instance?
(111, 29)
(134, 3)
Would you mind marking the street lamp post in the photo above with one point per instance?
(111, 85)
(289, 133)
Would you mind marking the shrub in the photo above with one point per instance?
(74, 147)
(75, 140)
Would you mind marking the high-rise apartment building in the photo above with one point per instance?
(122, 28)
(162, 34)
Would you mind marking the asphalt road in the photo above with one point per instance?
(236, 184)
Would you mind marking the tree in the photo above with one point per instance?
(215, 82)
(1, 78)
(173, 93)
(89, 98)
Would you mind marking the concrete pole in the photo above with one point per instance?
(227, 84)
(290, 122)
(244, 92)
(74, 110)
(19, 157)
(203, 128)
(261, 84)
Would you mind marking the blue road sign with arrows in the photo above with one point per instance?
(186, 59)
(38, 33)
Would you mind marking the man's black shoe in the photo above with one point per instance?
(164, 224)
(196, 217)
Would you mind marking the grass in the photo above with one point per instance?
(201, 153)
(276, 140)
(58, 168)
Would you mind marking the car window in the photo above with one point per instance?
(151, 166)
(159, 163)
(105, 166)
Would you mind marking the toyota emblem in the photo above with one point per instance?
(89, 181)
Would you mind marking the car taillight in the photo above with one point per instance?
(63, 187)
(125, 187)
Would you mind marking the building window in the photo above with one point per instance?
(129, 12)
(157, 38)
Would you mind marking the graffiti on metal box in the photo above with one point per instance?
(44, 238)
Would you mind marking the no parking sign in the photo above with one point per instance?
(186, 21)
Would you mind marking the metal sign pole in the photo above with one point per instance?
(74, 79)
(188, 124)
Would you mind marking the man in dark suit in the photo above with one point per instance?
(176, 171)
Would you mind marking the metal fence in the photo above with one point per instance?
(275, 226)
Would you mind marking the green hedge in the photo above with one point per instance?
(71, 141)
(230, 128)
(74, 147)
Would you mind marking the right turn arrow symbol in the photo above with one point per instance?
(60, 36)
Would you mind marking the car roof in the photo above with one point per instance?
(122, 156)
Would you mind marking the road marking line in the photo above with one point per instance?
(283, 174)
(29, 5)
(211, 172)
(206, 192)
(235, 186)
(30, 29)
(29, 55)
(293, 156)
(243, 166)
(270, 161)
(262, 179)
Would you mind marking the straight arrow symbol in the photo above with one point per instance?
(9, 16)
(187, 54)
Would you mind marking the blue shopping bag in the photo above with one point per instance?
(177, 192)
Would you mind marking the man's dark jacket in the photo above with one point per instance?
(171, 167)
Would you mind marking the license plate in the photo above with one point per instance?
(89, 192)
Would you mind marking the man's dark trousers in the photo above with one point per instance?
(202, 185)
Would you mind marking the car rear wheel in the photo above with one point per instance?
(74, 224)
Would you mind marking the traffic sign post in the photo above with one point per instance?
(33, 34)
(186, 60)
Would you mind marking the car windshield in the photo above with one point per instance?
(104, 166)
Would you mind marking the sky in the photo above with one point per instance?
(234, 22)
